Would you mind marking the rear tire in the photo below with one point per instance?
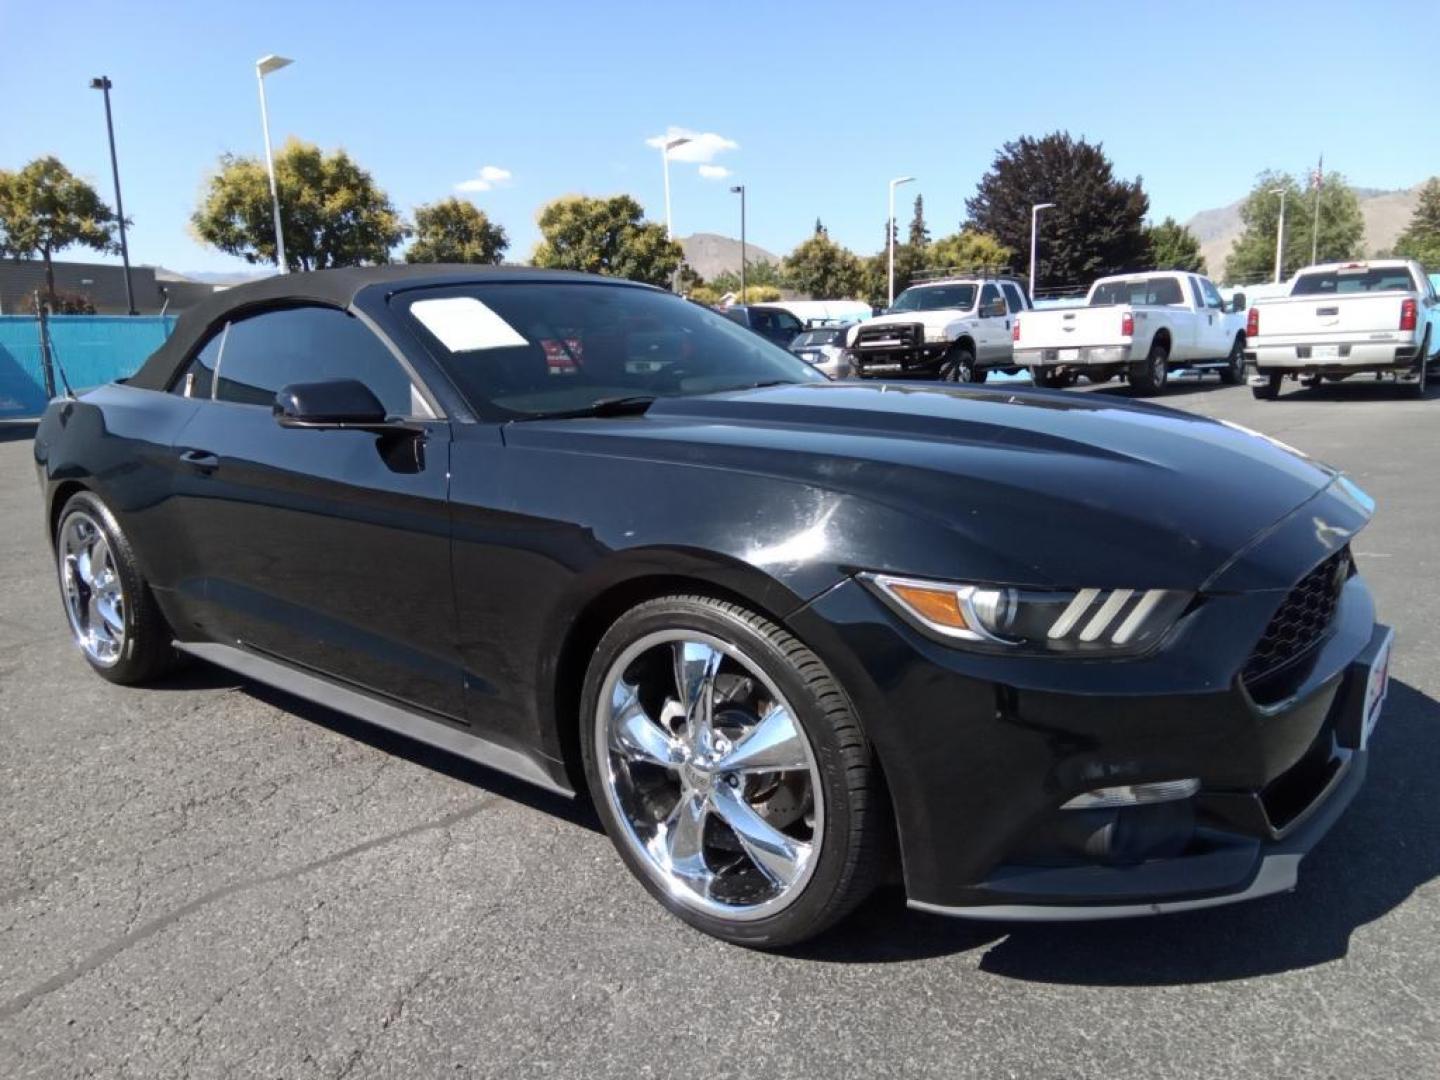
(1270, 389)
(1051, 379)
(113, 616)
(1150, 375)
(760, 671)
(1233, 373)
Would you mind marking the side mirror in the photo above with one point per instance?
(1237, 302)
(995, 309)
(337, 403)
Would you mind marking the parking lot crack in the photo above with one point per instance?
(155, 926)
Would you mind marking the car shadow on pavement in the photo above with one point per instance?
(1382, 849)
(1173, 389)
(1360, 389)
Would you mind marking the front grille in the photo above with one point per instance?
(1302, 619)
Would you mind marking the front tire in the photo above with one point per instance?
(112, 613)
(1150, 375)
(959, 366)
(731, 772)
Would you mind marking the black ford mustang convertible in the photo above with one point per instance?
(1041, 656)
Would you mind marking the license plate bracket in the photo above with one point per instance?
(1325, 352)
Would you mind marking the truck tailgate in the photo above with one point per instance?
(1303, 319)
(1059, 328)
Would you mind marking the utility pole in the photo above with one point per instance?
(739, 189)
(1280, 234)
(103, 84)
(1315, 219)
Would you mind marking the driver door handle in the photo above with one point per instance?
(200, 460)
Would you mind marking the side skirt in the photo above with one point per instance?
(372, 710)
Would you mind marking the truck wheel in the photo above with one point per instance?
(1233, 373)
(1270, 389)
(1417, 388)
(1050, 379)
(1150, 375)
(959, 366)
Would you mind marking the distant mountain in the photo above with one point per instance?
(1386, 214)
(709, 254)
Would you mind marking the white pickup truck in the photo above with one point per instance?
(1381, 316)
(956, 328)
(1140, 325)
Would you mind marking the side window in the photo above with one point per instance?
(785, 321)
(310, 344)
(1012, 294)
(198, 378)
(1212, 295)
(1166, 291)
(736, 315)
(988, 295)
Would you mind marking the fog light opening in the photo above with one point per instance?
(1107, 798)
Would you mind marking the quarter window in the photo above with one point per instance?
(310, 344)
(1012, 294)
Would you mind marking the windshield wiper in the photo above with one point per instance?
(630, 405)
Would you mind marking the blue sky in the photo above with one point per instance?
(823, 103)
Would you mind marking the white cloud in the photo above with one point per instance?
(490, 176)
(714, 172)
(702, 147)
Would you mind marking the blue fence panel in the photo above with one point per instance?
(91, 350)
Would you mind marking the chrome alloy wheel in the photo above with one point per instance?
(710, 775)
(90, 583)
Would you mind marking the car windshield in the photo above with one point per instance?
(1356, 280)
(935, 297)
(811, 338)
(1159, 291)
(525, 349)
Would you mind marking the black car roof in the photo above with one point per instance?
(334, 288)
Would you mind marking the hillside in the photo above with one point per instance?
(710, 253)
(1386, 214)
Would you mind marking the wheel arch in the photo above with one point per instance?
(59, 496)
(1162, 335)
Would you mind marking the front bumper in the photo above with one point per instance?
(980, 752)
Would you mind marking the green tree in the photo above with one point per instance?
(1174, 247)
(919, 236)
(824, 270)
(455, 230)
(1097, 225)
(331, 210)
(763, 272)
(970, 250)
(1341, 235)
(606, 236)
(44, 209)
(1421, 238)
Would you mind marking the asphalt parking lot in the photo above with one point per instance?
(211, 878)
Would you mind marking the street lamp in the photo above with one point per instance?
(1279, 232)
(890, 234)
(1034, 221)
(665, 148)
(264, 66)
(103, 84)
(739, 189)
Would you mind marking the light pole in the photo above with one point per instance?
(1034, 223)
(1279, 232)
(890, 235)
(665, 148)
(739, 189)
(103, 84)
(264, 66)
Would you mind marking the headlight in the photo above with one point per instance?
(1004, 619)
(934, 336)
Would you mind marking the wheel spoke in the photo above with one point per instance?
(107, 606)
(637, 736)
(84, 566)
(779, 857)
(684, 836)
(772, 745)
(696, 665)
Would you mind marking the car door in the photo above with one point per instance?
(1016, 302)
(992, 332)
(1215, 334)
(785, 328)
(327, 548)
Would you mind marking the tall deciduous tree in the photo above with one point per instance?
(824, 270)
(331, 210)
(1421, 238)
(45, 208)
(1174, 247)
(1097, 225)
(764, 272)
(606, 236)
(455, 231)
(1341, 235)
(971, 250)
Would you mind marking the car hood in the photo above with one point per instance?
(987, 484)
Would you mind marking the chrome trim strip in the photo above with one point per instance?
(372, 710)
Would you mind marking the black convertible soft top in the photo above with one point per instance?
(336, 288)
